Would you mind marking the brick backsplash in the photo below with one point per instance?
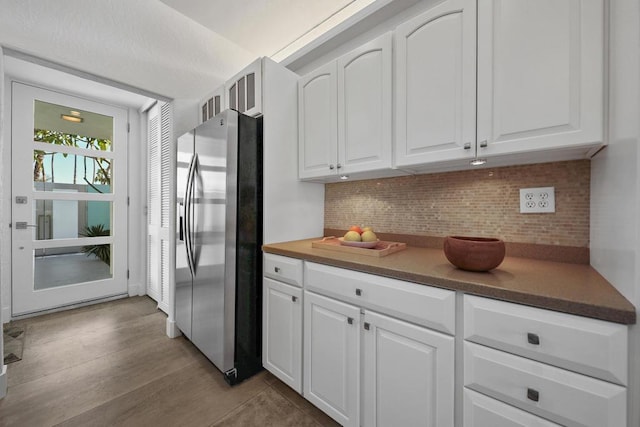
(482, 202)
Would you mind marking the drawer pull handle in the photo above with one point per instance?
(294, 298)
(350, 320)
(276, 269)
(533, 394)
(533, 338)
(359, 292)
(367, 325)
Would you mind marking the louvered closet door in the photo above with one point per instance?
(159, 185)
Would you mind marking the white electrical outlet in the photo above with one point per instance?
(537, 200)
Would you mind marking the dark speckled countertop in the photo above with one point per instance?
(568, 288)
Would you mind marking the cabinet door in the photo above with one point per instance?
(408, 374)
(212, 104)
(331, 357)
(364, 107)
(244, 90)
(540, 74)
(317, 123)
(435, 92)
(282, 332)
(482, 411)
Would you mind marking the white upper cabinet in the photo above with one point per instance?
(243, 92)
(211, 104)
(365, 107)
(540, 75)
(317, 123)
(345, 114)
(436, 85)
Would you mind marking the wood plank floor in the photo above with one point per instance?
(112, 364)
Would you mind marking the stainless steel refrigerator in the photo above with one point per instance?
(218, 243)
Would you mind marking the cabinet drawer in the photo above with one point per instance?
(553, 393)
(424, 305)
(483, 411)
(283, 268)
(590, 346)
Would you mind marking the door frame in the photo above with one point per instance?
(82, 85)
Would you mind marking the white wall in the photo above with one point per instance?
(615, 180)
(3, 228)
(5, 199)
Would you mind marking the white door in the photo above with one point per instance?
(540, 74)
(282, 332)
(160, 171)
(436, 85)
(408, 374)
(364, 107)
(318, 123)
(69, 200)
(331, 357)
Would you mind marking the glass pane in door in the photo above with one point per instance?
(71, 219)
(71, 173)
(61, 266)
(72, 127)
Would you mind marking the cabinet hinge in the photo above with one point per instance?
(127, 274)
(128, 127)
(128, 200)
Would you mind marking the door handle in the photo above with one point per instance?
(22, 225)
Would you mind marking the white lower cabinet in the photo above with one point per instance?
(555, 366)
(282, 319)
(408, 374)
(332, 357)
(374, 351)
(368, 358)
(282, 331)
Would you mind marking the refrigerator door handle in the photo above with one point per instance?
(193, 229)
(187, 217)
(181, 222)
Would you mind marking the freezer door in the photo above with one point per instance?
(183, 277)
(214, 283)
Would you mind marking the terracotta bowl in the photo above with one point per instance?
(474, 253)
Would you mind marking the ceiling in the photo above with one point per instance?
(270, 28)
(177, 49)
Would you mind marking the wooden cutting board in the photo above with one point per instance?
(380, 250)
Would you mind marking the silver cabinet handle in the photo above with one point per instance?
(533, 394)
(367, 325)
(533, 338)
(339, 166)
(350, 320)
(276, 269)
(359, 292)
(467, 146)
(331, 167)
(294, 298)
(483, 144)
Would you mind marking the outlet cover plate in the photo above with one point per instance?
(538, 200)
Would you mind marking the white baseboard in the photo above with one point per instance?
(137, 289)
(172, 329)
(3, 382)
